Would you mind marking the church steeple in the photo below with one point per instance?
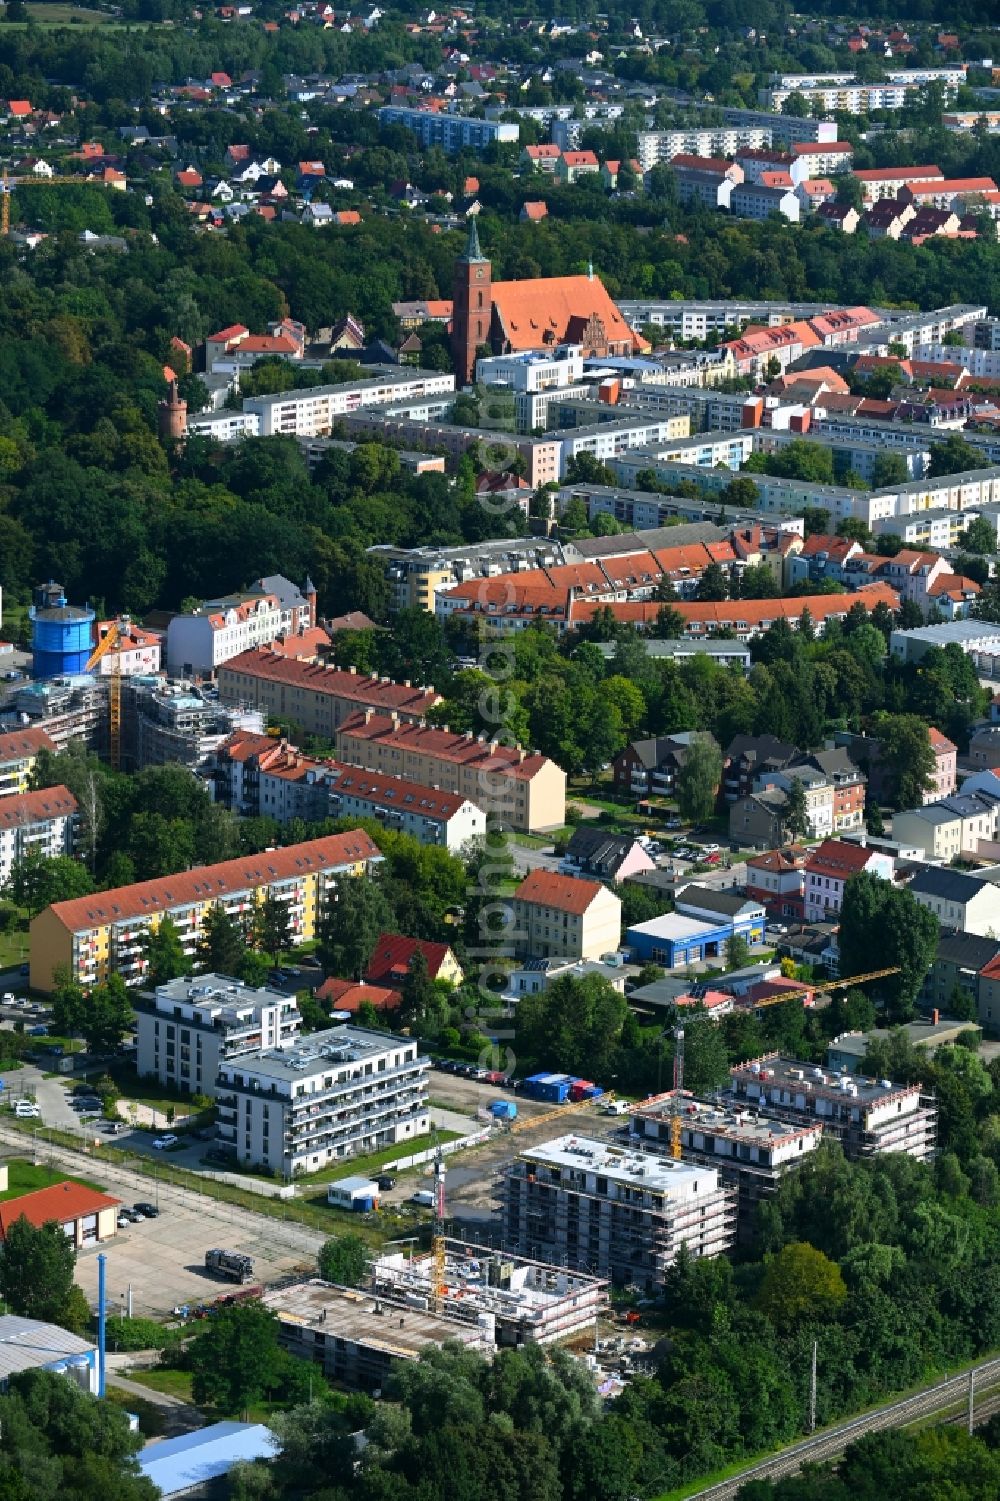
(472, 309)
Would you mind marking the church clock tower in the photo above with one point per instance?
(472, 313)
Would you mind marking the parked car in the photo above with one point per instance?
(8, 998)
(25, 1110)
(38, 1032)
(386, 1181)
(25, 971)
(135, 1218)
(163, 1142)
(124, 1219)
(148, 1211)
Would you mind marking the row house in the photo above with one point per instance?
(959, 900)
(951, 826)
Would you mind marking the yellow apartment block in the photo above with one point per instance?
(100, 935)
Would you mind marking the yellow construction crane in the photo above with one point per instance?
(112, 642)
(9, 185)
(524, 1121)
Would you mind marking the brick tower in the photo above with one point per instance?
(172, 416)
(473, 308)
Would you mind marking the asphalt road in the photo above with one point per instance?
(832, 1443)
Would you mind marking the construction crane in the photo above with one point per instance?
(438, 1244)
(524, 1121)
(112, 642)
(9, 185)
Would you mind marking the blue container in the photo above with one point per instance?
(594, 1092)
(61, 634)
(503, 1110)
(363, 1206)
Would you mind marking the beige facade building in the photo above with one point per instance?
(524, 788)
(19, 751)
(316, 698)
(565, 917)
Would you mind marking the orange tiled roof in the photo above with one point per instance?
(206, 883)
(539, 311)
(18, 744)
(271, 666)
(350, 995)
(546, 888)
(35, 807)
(61, 1202)
(443, 745)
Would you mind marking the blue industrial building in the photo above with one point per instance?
(674, 940)
(62, 635)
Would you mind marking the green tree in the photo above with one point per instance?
(37, 880)
(220, 948)
(796, 814)
(356, 914)
(344, 1259)
(418, 991)
(698, 778)
(237, 1359)
(800, 1284)
(706, 1061)
(889, 468)
(737, 952)
(272, 928)
(36, 1270)
(953, 455)
(980, 536)
(573, 1024)
(165, 956)
(876, 918)
(713, 584)
(107, 1016)
(907, 758)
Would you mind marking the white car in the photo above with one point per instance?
(163, 1142)
(24, 1110)
(7, 999)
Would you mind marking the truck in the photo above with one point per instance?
(231, 1264)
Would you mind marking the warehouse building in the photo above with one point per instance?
(29, 1345)
(86, 1215)
(867, 1116)
(613, 1211)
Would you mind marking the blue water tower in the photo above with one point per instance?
(61, 634)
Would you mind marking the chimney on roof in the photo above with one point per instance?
(368, 715)
(353, 671)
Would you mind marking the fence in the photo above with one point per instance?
(446, 1148)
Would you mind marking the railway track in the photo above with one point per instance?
(829, 1445)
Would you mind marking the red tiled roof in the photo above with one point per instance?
(940, 744)
(838, 859)
(393, 954)
(207, 883)
(535, 209)
(234, 331)
(349, 995)
(18, 744)
(441, 745)
(786, 860)
(61, 1202)
(820, 148)
(897, 174)
(374, 692)
(546, 888)
(35, 807)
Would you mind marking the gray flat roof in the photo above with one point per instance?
(319, 1052)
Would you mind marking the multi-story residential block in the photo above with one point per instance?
(759, 163)
(759, 200)
(311, 413)
(416, 574)
(258, 776)
(104, 934)
(321, 1099)
(316, 698)
(452, 132)
(960, 976)
(525, 788)
(974, 637)
(650, 767)
(886, 182)
(961, 901)
(844, 93)
(165, 721)
(705, 179)
(823, 158)
(19, 750)
(183, 1029)
(564, 917)
(828, 870)
(613, 1211)
(572, 165)
(817, 790)
(748, 758)
(749, 1151)
(198, 644)
(867, 1116)
(43, 822)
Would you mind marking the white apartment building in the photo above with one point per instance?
(138, 650)
(312, 412)
(185, 1028)
(613, 1211)
(532, 372)
(752, 200)
(199, 643)
(843, 92)
(946, 828)
(658, 147)
(701, 185)
(43, 821)
(324, 1098)
(868, 1117)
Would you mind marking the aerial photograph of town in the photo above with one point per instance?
(499, 750)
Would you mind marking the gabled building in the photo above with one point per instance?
(750, 757)
(606, 857)
(959, 974)
(777, 879)
(41, 822)
(19, 750)
(559, 916)
(961, 901)
(649, 767)
(828, 870)
(393, 955)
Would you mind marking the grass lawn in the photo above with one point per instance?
(24, 1178)
(353, 1167)
(163, 1379)
(13, 947)
(150, 1092)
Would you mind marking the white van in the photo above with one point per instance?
(424, 1197)
(616, 1107)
